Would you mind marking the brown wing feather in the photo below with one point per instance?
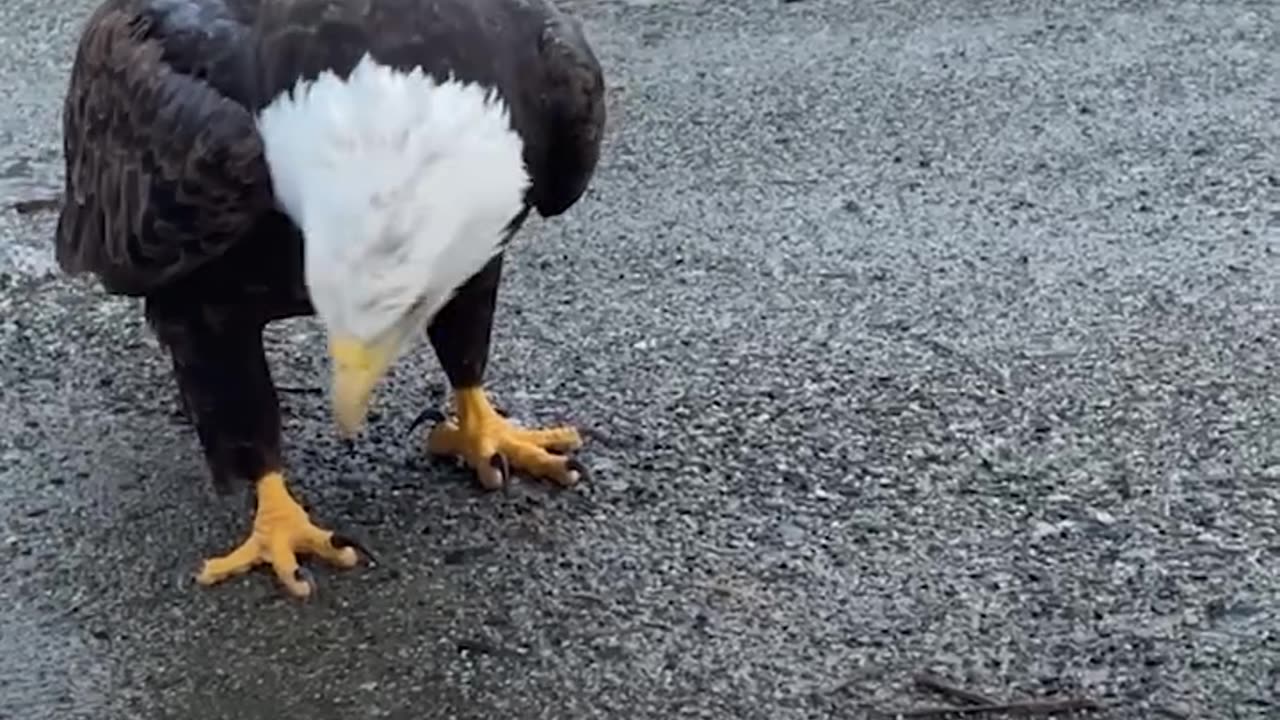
(163, 172)
(574, 115)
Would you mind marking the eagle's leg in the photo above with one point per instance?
(222, 373)
(478, 433)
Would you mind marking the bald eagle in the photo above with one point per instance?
(237, 162)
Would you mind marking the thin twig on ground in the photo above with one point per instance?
(31, 206)
(927, 681)
(1028, 708)
(299, 390)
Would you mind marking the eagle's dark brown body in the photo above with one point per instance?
(168, 196)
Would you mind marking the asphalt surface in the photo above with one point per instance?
(922, 335)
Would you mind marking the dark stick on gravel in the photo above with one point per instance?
(1030, 708)
(927, 681)
(299, 390)
(1168, 712)
(31, 206)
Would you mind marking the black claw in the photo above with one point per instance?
(303, 575)
(575, 465)
(499, 461)
(428, 413)
(346, 541)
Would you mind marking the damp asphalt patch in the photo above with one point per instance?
(908, 336)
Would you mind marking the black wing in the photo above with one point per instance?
(164, 166)
(573, 116)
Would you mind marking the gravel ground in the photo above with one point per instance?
(923, 335)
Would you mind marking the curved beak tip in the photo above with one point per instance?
(357, 368)
(349, 427)
(350, 405)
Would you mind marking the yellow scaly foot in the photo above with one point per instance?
(281, 530)
(494, 447)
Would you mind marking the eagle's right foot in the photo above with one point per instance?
(281, 530)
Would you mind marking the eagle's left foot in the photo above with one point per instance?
(494, 447)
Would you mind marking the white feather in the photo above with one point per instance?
(402, 187)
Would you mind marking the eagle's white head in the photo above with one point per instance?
(403, 187)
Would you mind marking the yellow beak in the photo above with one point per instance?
(357, 368)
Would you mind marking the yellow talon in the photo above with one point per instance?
(493, 446)
(281, 530)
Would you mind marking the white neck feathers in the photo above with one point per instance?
(402, 186)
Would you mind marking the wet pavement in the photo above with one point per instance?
(908, 336)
